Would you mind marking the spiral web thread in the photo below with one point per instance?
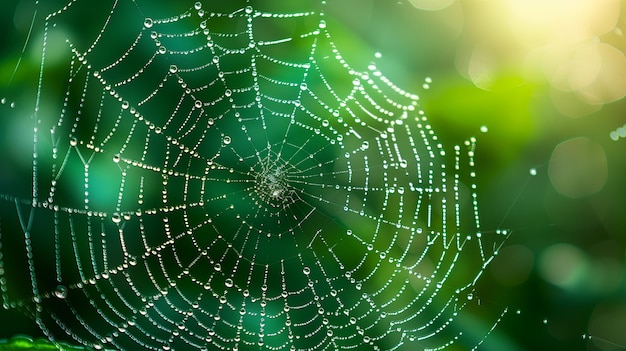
(224, 179)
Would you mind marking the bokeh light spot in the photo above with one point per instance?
(431, 5)
(570, 105)
(563, 265)
(608, 84)
(578, 167)
(564, 20)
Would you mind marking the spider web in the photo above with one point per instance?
(221, 178)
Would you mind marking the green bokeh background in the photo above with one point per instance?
(524, 127)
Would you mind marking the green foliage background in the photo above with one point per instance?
(524, 128)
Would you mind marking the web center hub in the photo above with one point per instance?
(272, 187)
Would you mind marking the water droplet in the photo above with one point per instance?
(248, 9)
(60, 292)
(197, 5)
(116, 158)
(533, 171)
(125, 105)
(229, 283)
(306, 270)
(173, 69)
(148, 22)
(303, 86)
(116, 218)
(73, 141)
(322, 24)
(484, 129)
(545, 321)
(227, 140)
(198, 104)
